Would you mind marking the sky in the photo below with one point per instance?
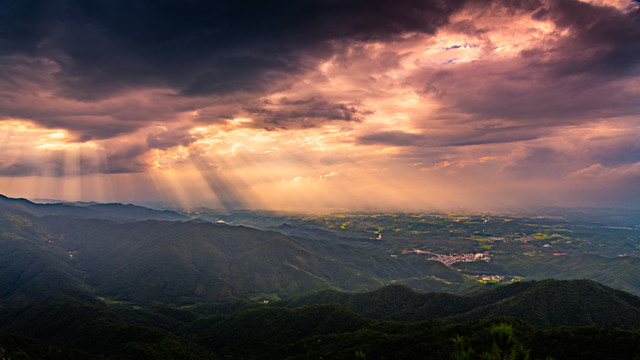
(321, 105)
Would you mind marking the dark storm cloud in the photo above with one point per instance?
(126, 159)
(303, 113)
(614, 151)
(251, 74)
(93, 51)
(584, 157)
(575, 78)
(27, 91)
(170, 138)
(283, 113)
(520, 92)
(393, 138)
(196, 47)
(491, 135)
(605, 41)
(478, 135)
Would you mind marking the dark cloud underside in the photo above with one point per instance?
(93, 51)
(197, 47)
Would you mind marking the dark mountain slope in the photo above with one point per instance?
(330, 330)
(32, 265)
(545, 304)
(178, 262)
(76, 245)
(395, 302)
(19, 347)
(195, 261)
(266, 328)
(75, 319)
(551, 303)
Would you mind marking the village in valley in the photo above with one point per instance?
(475, 248)
(451, 258)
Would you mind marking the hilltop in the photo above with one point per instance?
(331, 324)
(545, 304)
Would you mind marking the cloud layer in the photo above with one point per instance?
(535, 100)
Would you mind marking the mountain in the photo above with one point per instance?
(19, 347)
(545, 304)
(32, 265)
(114, 211)
(239, 334)
(552, 303)
(333, 327)
(75, 319)
(50, 247)
(192, 261)
(173, 261)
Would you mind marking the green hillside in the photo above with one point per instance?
(330, 328)
(552, 303)
(32, 265)
(545, 304)
(181, 262)
(18, 347)
(77, 320)
(195, 261)
(186, 262)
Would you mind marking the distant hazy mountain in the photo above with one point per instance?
(89, 210)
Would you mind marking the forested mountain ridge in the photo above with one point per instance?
(545, 304)
(328, 329)
(177, 261)
(48, 248)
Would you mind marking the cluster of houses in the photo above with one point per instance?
(489, 278)
(451, 258)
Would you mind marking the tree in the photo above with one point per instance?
(461, 352)
(504, 346)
